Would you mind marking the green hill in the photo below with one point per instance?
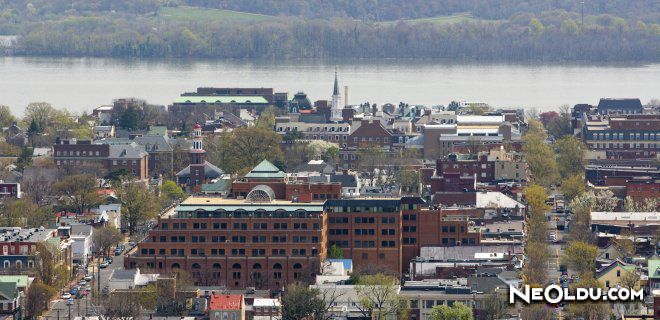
(195, 14)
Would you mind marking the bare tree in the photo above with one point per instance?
(123, 307)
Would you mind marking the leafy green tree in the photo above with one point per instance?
(171, 191)
(573, 187)
(242, 149)
(540, 156)
(266, 119)
(570, 156)
(138, 203)
(301, 302)
(335, 252)
(24, 160)
(79, 192)
(378, 297)
(457, 311)
(581, 257)
(6, 118)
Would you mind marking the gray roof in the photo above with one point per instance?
(123, 274)
(154, 143)
(322, 167)
(127, 151)
(84, 229)
(486, 284)
(346, 180)
(465, 252)
(210, 171)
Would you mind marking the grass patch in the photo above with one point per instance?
(194, 14)
(454, 18)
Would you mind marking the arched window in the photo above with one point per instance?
(260, 193)
(19, 264)
(217, 266)
(277, 266)
(6, 264)
(256, 266)
(297, 266)
(196, 266)
(176, 266)
(236, 266)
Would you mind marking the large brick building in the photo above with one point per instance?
(257, 242)
(125, 155)
(620, 137)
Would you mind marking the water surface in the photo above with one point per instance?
(82, 84)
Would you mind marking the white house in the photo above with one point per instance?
(81, 234)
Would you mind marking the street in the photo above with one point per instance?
(87, 305)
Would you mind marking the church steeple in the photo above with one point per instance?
(335, 92)
(335, 111)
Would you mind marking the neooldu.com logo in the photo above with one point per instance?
(554, 294)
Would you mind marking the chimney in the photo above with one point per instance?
(345, 96)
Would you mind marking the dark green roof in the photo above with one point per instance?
(218, 186)
(221, 99)
(265, 170)
(8, 290)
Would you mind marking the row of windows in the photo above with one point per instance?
(77, 153)
(371, 139)
(625, 136)
(623, 145)
(222, 252)
(331, 129)
(372, 209)
(239, 226)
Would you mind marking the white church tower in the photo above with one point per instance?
(336, 109)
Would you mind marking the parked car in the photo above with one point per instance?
(73, 291)
(66, 296)
(70, 302)
(83, 282)
(88, 278)
(104, 265)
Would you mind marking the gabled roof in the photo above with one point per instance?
(346, 180)
(265, 169)
(609, 103)
(127, 151)
(226, 302)
(8, 290)
(157, 131)
(606, 269)
(154, 143)
(210, 171)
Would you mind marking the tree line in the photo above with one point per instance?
(549, 36)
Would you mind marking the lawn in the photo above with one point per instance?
(455, 18)
(185, 14)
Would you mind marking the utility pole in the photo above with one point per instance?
(582, 14)
(69, 311)
(58, 314)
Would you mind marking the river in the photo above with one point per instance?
(81, 84)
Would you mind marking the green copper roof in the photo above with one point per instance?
(157, 131)
(265, 170)
(654, 266)
(221, 99)
(218, 186)
(21, 281)
(8, 290)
